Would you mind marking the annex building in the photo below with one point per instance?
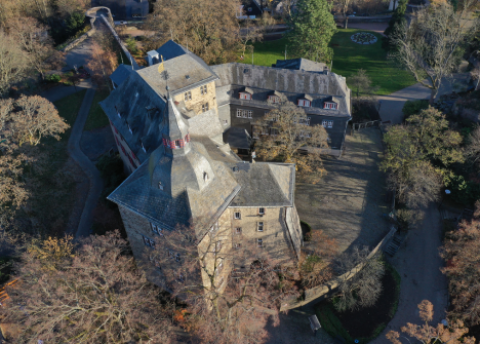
(170, 134)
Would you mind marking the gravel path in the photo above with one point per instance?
(418, 263)
(92, 173)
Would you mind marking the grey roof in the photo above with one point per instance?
(238, 138)
(301, 64)
(234, 77)
(184, 198)
(264, 184)
(121, 74)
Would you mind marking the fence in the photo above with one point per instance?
(358, 126)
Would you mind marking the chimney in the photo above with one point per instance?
(153, 57)
(325, 70)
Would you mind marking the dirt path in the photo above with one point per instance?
(418, 263)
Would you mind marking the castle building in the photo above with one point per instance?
(169, 128)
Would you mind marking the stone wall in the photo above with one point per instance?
(198, 99)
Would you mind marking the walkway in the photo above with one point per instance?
(418, 263)
(92, 173)
(56, 93)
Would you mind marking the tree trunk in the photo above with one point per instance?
(345, 26)
(433, 94)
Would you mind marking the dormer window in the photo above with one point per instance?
(143, 147)
(160, 185)
(245, 96)
(274, 99)
(205, 177)
(330, 105)
(130, 129)
(304, 103)
(178, 144)
(118, 114)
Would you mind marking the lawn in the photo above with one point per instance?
(68, 108)
(348, 58)
(96, 117)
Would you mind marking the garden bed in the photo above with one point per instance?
(366, 323)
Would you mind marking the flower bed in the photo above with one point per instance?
(364, 38)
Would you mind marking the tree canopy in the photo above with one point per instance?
(311, 29)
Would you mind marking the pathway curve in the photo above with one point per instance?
(418, 262)
(90, 170)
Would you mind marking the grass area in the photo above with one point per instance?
(96, 117)
(348, 58)
(68, 108)
(373, 320)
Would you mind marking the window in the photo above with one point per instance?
(244, 113)
(203, 89)
(245, 96)
(238, 246)
(160, 186)
(237, 215)
(304, 103)
(157, 229)
(205, 177)
(204, 107)
(250, 113)
(225, 121)
(177, 144)
(274, 99)
(188, 95)
(261, 211)
(305, 121)
(273, 131)
(148, 242)
(130, 129)
(238, 230)
(260, 227)
(260, 243)
(327, 124)
(143, 147)
(119, 115)
(328, 105)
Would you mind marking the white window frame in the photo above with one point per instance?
(330, 105)
(249, 113)
(235, 215)
(245, 96)
(327, 124)
(239, 113)
(157, 229)
(304, 103)
(274, 99)
(261, 226)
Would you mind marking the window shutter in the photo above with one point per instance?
(182, 143)
(172, 144)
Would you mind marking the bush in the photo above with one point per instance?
(131, 45)
(53, 78)
(413, 107)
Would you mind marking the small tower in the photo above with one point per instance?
(175, 132)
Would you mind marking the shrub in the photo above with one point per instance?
(413, 107)
(131, 45)
(53, 78)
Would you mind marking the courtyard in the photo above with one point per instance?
(350, 204)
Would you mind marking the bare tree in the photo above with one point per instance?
(461, 253)
(472, 150)
(362, 285)
(428, 334)
(102, 64)
(94, 294)
(360, 81)
(37, 118)
(12, 62)
(248, 35)
(475, 74)
(227, 305)
(285, 133)
(34, 39)
(426, 47)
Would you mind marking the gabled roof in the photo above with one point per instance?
(301, 64)
(121, 74)
(238, 137)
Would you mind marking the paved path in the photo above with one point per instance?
(92, 173)
(418, 263)
(56, 93)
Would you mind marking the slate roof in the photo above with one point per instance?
(238, 138)
(264, 184)
(121, 74)
(301, 64)
(235, 77)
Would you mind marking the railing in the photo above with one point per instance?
(358, 126)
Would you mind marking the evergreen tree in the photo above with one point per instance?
(398, 18)
(311, 29)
